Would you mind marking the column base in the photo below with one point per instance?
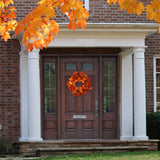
(140, 138)
(34, 139)
(23, 139)
(126, 138)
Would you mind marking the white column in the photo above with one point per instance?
(126, 95)
(23, 96)
(34, 114)
(139, 95)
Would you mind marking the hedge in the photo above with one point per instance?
(153, 125)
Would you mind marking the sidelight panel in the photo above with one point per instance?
(49, 88)
(109, 87)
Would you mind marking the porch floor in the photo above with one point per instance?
(44, 148)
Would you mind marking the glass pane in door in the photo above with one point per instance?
(109, 87)
(49, 88)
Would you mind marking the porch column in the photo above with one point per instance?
(23, 96)
(34, 114)
(139, 95)
(126, 95)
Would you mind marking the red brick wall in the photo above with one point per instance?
(100, 12)
(23, 7)
(9, 90)
(9, 60)
(153, 43)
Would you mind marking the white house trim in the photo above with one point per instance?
(154, 74)
(24, 95)
(126, 95)
(104, 35)
(125, 36)
(34, 109)
(30, 96)
(139, 94)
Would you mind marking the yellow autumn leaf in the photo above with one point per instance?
(1, 4)
(140, 8)
(6, 36)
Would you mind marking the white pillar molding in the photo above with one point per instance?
(126, 95)
(23, 95)
(34, 110)
(139, 94)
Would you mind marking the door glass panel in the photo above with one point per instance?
(109, 87)
(70, 66)
(158, 95)
(158, 107)
(157, 65)
(158, 80)
(49, 88)
(87, 66)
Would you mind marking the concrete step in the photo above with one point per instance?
(70, 150)
(30, 149)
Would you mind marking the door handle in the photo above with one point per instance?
(96, 108)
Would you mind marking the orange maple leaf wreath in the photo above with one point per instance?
(79, 84)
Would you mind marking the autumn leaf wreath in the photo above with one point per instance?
(79, 84)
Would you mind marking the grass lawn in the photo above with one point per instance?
(147, 155)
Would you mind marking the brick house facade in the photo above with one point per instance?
(100, 13)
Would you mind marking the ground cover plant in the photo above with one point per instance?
(145, 155)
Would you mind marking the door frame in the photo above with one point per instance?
(57, 53)
(95, 95)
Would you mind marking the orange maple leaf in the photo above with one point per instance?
(7, 22)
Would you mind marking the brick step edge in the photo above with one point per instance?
(54, 151)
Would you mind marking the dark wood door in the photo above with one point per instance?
(79, 115)
(67, 117)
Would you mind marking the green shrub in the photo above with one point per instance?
(5, 146)
(153, 125)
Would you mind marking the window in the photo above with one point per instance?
(86, 4)
(87, 66)
(157, 84)
(71, 66)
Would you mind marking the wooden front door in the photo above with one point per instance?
(80, 115)
(92, 116)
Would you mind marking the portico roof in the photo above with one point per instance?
(145, 27)
(105, 35)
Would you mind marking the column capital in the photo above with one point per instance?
(23, 51)
(34, 54)
(35, 50)
(139, 52)
(139, 49)
(125, 52)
